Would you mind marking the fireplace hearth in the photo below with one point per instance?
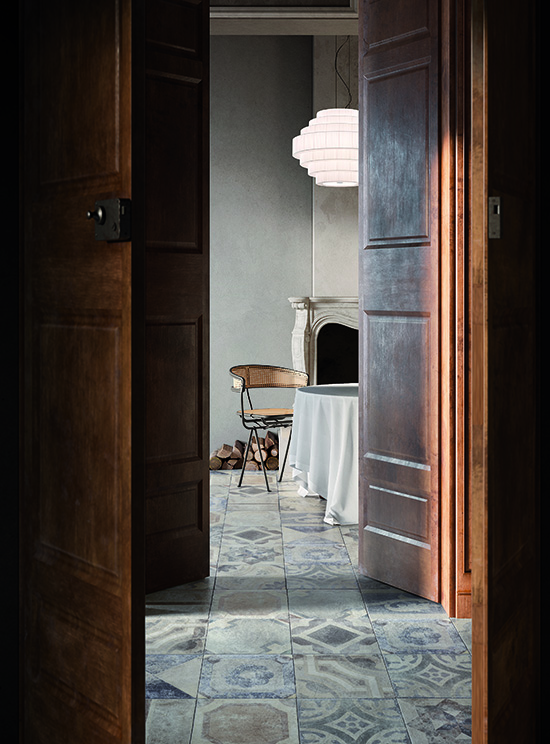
(323, 342)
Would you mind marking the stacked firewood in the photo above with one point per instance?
(230, 457)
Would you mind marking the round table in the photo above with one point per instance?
(324, 448)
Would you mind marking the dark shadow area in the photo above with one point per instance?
(337, 354)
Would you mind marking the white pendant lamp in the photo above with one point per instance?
(329, 147)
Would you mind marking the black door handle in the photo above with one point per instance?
(112, 219)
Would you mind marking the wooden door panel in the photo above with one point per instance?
(176, 145)
(79, 621)
(399, 297)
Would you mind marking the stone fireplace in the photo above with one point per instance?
(323, 342)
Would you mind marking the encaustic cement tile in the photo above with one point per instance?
(254, 676)
(253, 518)
(245, 722)
(384, 602)
(320, 576)
(195, 591)
(172, 676)
(242, 556)
(316, 552)
(430, 675)
(170, 634)
(254, 576)
(250, 636)
(332, 676)
(351, 722)
(265, 603)
(296, 534)
(418, 636)
(332, 636)
(169, 721)
(248, 534)
(443, 721)
(323, 603)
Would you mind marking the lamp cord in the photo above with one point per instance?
(341, 78)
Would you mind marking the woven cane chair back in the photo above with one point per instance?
(265, 376)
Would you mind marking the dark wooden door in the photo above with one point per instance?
(103, 350)
(80, 587)
(506, 282)
(172, 151)
(398, 288)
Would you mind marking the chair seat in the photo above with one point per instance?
(269, 412)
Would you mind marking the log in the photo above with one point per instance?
(240, 447)
(225, 451)
(229, 457)
(255, 443)
(215, 461)
(271, 440)
(231, 464)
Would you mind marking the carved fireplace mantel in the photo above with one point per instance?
(312, 313)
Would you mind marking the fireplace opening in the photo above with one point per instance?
(337, 354)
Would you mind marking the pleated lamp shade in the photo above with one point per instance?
(329, 147)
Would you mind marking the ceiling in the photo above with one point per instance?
(289, 17)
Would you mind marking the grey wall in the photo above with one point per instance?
(335, 223)
(261, 209)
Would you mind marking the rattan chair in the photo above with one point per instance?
(247, 376)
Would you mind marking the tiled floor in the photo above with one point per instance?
(286, 644)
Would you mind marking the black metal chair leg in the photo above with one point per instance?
(245, 457)
(262, 460)
(286, 453)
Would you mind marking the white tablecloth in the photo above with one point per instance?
(324, 448)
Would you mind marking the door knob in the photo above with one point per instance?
(112, 219)
(98, 215)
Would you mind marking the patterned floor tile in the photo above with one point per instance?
(169, 721)
(217, 520)
(218, 504)
(192, 610)
(326, 603)
(253, 576)
(309, 517)
(294, 534)
(174, 634)
(245, 722)
(246, 552)
(334, 676)
(251, 676)
(250, 636)
(464, 627)
(316, 552)
(172, 676)
(332, 636)
(419, 636)
(351, 722)
(430, 674)
(293, 504)
(320, 576)
(441, 721)
(247, 534)
(195, 591)
(261, 518)
(385, 601)
(370, 661)
(254, 486)
(250, 504)
(242, 603)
